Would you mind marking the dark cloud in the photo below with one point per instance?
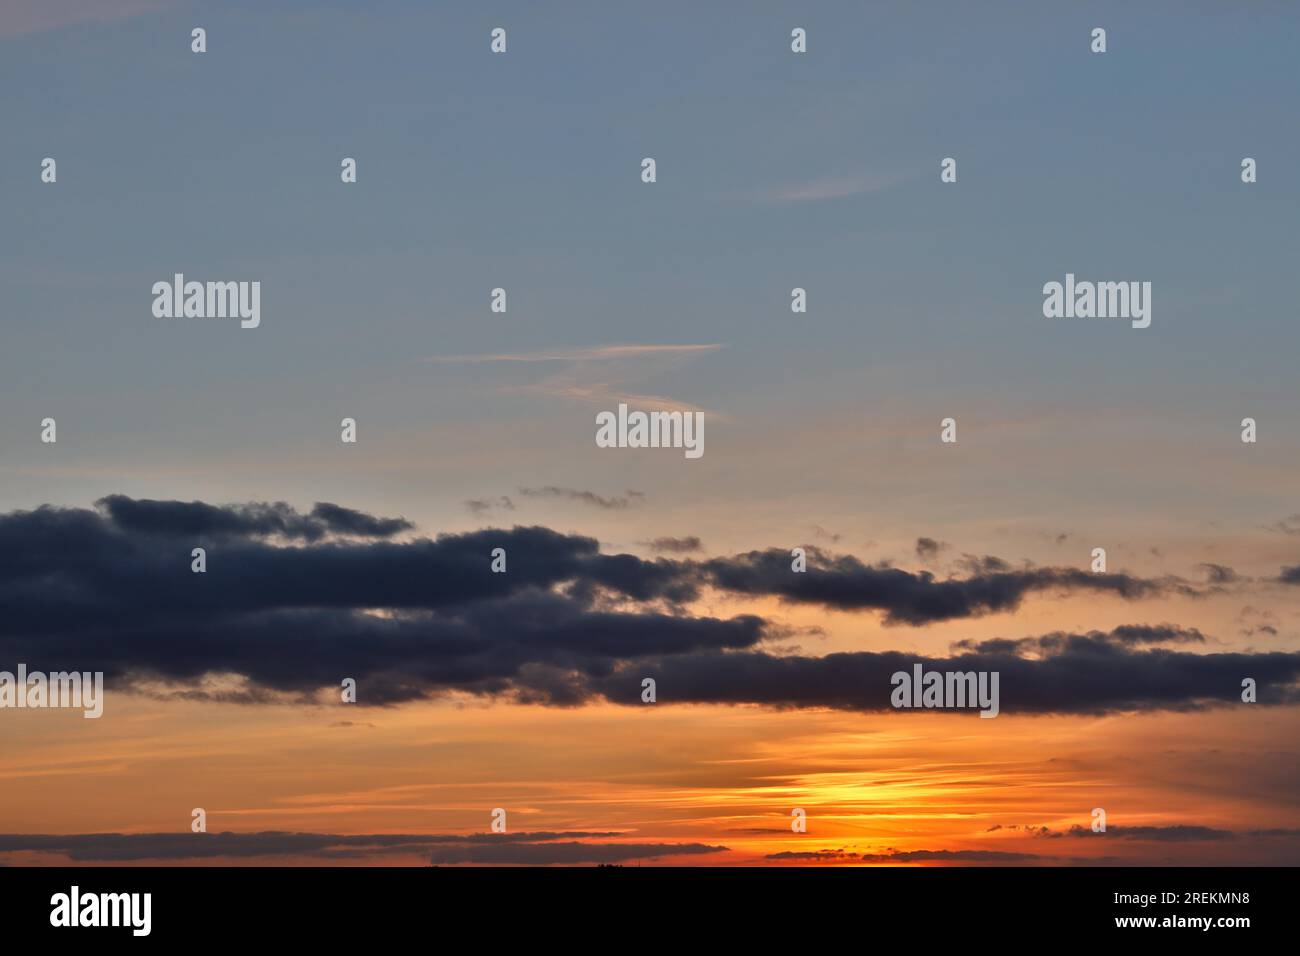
(111, 590)
(1255, 621)
(1288, 525)
(928, 548)
(817, 855)
(1178, 833)
(537, 854)
(675, 545)
(1031, 830)
(1085, 676)
(1126, 635)
(949, 856)
(845, 583)
(974, 564)
(1133, 634)
(199, 520)
(585, 497)
(480, 506)
(345, 521)
(1174, 833)
(1219, 574)
(1290, 575)
(536, 847)
(989, 857)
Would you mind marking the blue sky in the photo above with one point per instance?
(521, 170)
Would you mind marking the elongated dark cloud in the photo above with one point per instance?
(200, 520)
(1126, 635)
(675, 545)
(538, 854)
(816, 856)
(536, 848)
(1170, 833)
(292, 604)
(845, 583)
(950, 856)
(1086, 676)
(1178, 833)
(526, 646)
(345, 521)
(990, 858)
(957, 857)
(585, 497)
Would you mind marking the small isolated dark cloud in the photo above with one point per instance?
(482, 506)
(1020, 828)
(979, 564)
(1290, 575)
(1288, 525)
(1254, 621)
(1219, 574)
(685, 545)
(626, 500)
(928, 548)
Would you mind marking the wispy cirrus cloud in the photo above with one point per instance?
(604, 375)
(831, 187)
(23, 17)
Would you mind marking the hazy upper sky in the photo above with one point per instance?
(775, 170)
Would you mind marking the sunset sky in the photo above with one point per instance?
(522, 691)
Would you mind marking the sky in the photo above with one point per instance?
(475, 430)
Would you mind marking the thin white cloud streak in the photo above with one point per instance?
(822, 190)
(597, 354)
(600, 375)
